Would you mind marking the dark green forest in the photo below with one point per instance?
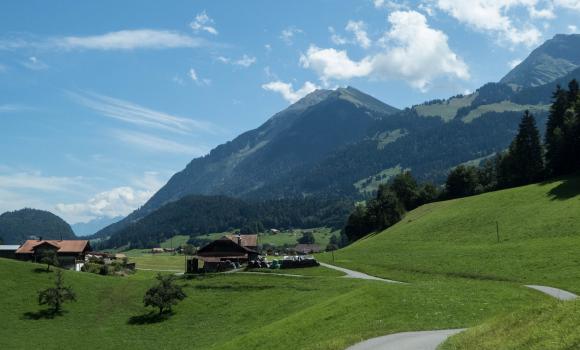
(198, 215)
(17, 226)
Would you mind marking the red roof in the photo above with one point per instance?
(69, 246)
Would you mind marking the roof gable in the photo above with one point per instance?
(66, 246)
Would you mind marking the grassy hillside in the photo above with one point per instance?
(539, 228)
(550, 326)
(241, 311)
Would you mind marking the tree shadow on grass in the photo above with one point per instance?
(149, 318)
(569, 188)
(45, 314)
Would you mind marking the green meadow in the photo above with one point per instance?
(241, 311)
(539, 239)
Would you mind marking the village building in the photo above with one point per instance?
(8, 251)
(231, 248)
(305, 249)
(70, 253)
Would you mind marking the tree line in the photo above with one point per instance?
(527, 160)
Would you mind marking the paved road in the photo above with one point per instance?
(428, 340)
(356, 274)
(554, 292)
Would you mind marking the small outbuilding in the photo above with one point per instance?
(8, 251)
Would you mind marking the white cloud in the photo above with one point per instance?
(335, 38)
(203, 22)
(244, 61)
(157, 144)
(391, 5)
(14, 108)
(491, 16)
(572, 29)
(129, 40)
(135, 114)
(413, 52)
(118, 201)
(288, 34)
(513, 63)
(34, 63)
(287, 90)
(119, 40)
(568, 4)
(358, 28)
(38, 182)
(334, 64)
(192, 74)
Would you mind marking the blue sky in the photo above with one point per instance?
(101, 102)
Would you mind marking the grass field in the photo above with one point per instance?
(539, 230)
(242, 311)
(550, 326)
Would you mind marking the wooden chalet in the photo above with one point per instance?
(70, 253)
(233, 248)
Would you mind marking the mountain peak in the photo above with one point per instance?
(552, 60)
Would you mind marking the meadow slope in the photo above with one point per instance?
(539, 239)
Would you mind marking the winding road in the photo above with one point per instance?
(425, 340)
(359, 275)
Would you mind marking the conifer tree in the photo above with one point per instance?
(554, 139)
(525, 153)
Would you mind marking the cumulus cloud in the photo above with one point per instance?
(412, 51)
(287, 90)
(335, 64)
(118, 201)
(492, 16)
(358, 28)
(203, 22)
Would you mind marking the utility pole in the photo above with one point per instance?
(497, 230)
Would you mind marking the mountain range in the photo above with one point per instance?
(343, 143)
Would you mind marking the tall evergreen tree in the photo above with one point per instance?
(554, 139)
(527, 163)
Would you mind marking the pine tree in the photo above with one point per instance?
(527, 163)
(554, 139)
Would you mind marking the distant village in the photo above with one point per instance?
(229, 252)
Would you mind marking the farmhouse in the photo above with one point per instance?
(70, 253)
(233, 248)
